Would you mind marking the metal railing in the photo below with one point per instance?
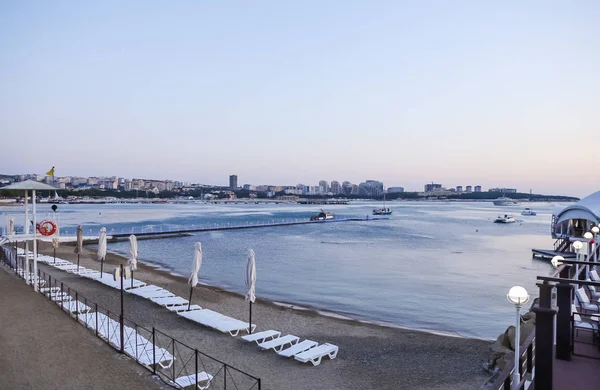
(526, 364)
(176, 363)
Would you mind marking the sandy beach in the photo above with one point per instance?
(370, 356)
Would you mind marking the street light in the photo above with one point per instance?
(589, 237)
(556, 261)
(595, 231)
(518, 296)
(577, 245)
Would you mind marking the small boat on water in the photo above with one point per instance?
(322, 216)
(528, 212)
(504, 201)
(383, 210)
(505, 219)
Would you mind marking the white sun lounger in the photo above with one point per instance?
(67, 267)
(299, 348)
(153, 294)
(75, 307)
(151, 291)
(106, 326)
(163, 357)
(315, 354)
(109, 280)
(59, 297)
(280, 342)
(263, 336)
(192, 380)
(216, 321)
(50, 261)
(180, 308)
(48, 289)
(84, 271)
(170, 301)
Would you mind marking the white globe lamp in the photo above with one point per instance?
(518, 296)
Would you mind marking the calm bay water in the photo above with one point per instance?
(443, 267)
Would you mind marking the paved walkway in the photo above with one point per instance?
(42, 348)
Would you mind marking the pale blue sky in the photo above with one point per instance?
(502, 93)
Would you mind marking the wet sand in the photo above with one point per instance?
(370, 356)
(42, 348)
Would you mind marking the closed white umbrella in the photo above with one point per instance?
(193, 280)
(102, 248)
(11, 226)
(250, 280)
(133, 254)
(55, 243)
(79, 246)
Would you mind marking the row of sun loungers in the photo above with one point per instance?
(135, 345)
(286, 346)
(291, 346)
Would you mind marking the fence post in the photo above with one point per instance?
(196, 372)
(154, 351)
(50, 287)
(96, 320)
(76, 306)
(530, 360)
(225, 377)
(258, 383)
(173, 340)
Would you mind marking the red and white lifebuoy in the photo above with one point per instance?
(47, 227)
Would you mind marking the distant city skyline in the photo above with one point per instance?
(234, 179)
(460, 93)
(367, 187)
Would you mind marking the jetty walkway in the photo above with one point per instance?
(164, 231)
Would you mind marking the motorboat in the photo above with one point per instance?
(382, 211)
(504, 201)
(528, 212)
(322, 216)
(505, 219)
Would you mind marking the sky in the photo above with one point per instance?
(280, 92)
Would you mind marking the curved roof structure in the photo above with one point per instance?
(29, 185)
(587, 208)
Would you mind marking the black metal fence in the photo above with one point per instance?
(526, 364)
(176, 363)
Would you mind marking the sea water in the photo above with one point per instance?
(436, 266)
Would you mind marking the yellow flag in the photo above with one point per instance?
(50, 172)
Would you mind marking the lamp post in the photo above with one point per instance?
(589, 237)
(595, 231)
(577, 245)
(518, 296)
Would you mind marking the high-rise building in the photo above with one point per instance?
(477, 188)
(432, 187)
(395, 190)
(346, 188)
(336, 188)
(323, 187)
(233, 182)
(370, 188)
(469, 188)
(459, 189)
